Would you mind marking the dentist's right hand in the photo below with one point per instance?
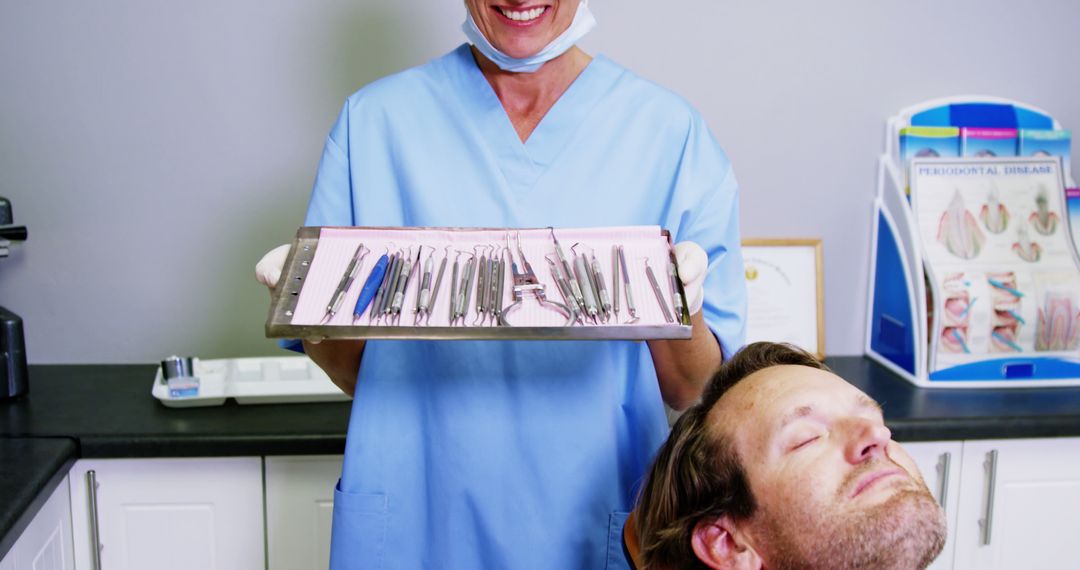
(268, 272)
(268, 269)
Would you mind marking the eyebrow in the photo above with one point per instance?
(797, 413)
(800, 412)
(868, 402)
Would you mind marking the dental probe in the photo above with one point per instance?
(453, 290)
(371, 286)
(438, 283)
(346, 282)
(423, 292)
(564, 289)
(659, 294)
(466, 293)
(586, 286)
(391, 286)
(579, 298)
(615, 281)
(381, 296)
(500, 280)
(630, 307)
(481, 289)
(601, 288)
(403, 285)
(493, 285)
(673, 281)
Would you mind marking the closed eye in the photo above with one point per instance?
(805, 443)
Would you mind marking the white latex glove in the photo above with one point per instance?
(268, 272)
(268, 269)
(693, 264)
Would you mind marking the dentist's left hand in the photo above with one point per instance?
(693, 265)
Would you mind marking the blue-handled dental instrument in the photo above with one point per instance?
(371, 286)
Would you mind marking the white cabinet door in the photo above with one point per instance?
(299, 509)
(45, 544)
(170, 514)
(1019, 504)
(939, 462)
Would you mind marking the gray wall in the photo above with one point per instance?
(157, 149)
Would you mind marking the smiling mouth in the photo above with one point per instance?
(873, 478)
(522, 15)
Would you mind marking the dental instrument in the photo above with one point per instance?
(423, 293)
(484, 270)
(454, 290)
(615, 281)
(386, 290)
(630, 307)
(466, 289)
(403, 285)
(564, 289)
(525, 282)
(676, 287)
(388, 302)
(500, 281)
(579, 298)
(581, 272)
(346, 282)
(601, 287)
(659, 294)
(371, 286)
(435, 288)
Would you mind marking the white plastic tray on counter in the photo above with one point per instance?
(260, 380)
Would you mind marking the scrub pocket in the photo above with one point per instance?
(358, 536)
(616, 558)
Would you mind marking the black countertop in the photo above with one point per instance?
(102, 411)
(30, 468)
(108, 409)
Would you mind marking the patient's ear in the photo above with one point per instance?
(719, 544)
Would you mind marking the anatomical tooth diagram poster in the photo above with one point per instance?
(997, 250)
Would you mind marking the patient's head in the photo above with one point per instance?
(785, 465)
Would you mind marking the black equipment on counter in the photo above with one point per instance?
(13, 376)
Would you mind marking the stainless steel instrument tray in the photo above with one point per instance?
(296, 291)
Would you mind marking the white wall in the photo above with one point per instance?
(157, 149)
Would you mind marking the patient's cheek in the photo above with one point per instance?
(897, 454)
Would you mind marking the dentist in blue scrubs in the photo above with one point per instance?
(518, 454)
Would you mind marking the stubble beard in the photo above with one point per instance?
(905, 532)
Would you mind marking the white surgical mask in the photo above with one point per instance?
(583, 22)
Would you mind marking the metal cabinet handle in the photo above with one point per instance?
(943, 488)
(988, 521)
(95, 537)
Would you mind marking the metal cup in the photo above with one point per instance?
(177, 367)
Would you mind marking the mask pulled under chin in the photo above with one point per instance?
(582, 24)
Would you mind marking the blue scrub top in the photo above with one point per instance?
(508, 454)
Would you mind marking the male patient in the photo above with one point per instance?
(785, 465)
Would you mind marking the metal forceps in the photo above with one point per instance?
(525, 282)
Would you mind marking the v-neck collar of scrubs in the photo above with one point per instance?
(522, 163)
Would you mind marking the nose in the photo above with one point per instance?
(869, 439)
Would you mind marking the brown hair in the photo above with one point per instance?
(696, 476)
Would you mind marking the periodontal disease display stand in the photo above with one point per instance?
(974, 278)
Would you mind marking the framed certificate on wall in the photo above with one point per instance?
(785, 288)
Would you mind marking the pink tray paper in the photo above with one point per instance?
(320, 256)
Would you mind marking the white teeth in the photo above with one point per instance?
(523, 16)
